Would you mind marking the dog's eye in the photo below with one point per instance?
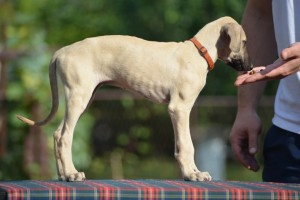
(244, 43)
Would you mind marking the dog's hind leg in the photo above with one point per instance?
(59, 166)
(77, 100)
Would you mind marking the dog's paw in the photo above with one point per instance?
(79, 176)
(62, 178)
(198, 176)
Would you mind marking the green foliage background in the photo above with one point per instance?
(36, 28)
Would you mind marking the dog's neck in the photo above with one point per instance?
(209, 44)
(203, 51)
(210, 34)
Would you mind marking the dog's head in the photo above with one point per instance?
(231, 47)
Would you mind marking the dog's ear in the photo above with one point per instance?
(229, 40)
(231, 33)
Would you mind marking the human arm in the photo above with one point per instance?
(258, 25)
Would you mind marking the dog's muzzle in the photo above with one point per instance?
(239, 64)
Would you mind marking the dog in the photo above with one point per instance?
(173, 73)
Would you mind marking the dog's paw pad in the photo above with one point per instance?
(199, 176)
(79, 176)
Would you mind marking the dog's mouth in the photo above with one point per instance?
(239, 64)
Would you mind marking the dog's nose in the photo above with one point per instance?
(248, 67)
(246, 64)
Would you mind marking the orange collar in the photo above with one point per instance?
(203, 51)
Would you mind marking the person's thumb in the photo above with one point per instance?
(290, 52)
(253, 146)
(253, 143)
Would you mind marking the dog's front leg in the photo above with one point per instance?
(184, 150)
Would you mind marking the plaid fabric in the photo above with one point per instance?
(146, 189)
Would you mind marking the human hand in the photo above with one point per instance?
(287, 65)
(244, 139)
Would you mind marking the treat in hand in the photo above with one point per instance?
(242, 77)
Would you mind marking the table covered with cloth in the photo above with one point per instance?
(146, 189)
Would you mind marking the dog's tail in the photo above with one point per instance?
(55, 100)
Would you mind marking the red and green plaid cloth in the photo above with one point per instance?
(146, 189)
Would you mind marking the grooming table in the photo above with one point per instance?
(146, 189)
